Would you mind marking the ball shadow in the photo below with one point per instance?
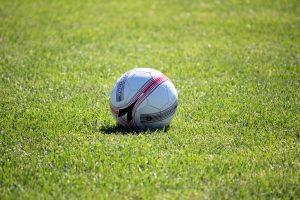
(117, 129)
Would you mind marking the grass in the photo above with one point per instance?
(234, 63)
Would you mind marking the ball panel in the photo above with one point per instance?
(155, 73)
(142, 105)
(128, 93)
(152, 72)
(151, 117)
(144, 110)
(120, 86)
(172, 93)
(159, 97)
(138, 79)
(166, 122)
(159, 116)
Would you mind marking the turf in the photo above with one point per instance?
(235, 65)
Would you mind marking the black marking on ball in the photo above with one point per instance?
(149, 118)
(128, 110)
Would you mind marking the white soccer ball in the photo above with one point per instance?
(143, 98)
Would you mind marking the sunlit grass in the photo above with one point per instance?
(235, 65)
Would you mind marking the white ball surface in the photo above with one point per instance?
(143, 98)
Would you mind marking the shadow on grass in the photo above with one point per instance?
(116, 129)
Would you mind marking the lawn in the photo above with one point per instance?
(236, 67)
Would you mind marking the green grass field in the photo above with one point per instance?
(235, 64)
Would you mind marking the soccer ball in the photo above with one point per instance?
(143, 98)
